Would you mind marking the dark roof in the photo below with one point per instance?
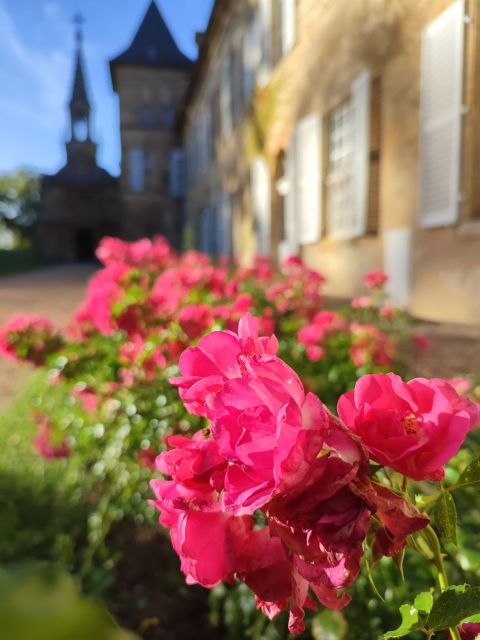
(153, 45)
(75, 176)
(79, 92)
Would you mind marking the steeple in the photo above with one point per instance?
(81, 150)
(79, 104)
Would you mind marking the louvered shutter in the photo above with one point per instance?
(265, 18)
(361, 101)
(441, 117)
(308, 174)
(252, 55)
(289, 246)
(289, 24)
(261, 200)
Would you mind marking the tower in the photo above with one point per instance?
(80, 203)
(151, 78)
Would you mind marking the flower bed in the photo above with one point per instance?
(268, 487)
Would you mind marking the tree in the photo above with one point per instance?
(19, 200)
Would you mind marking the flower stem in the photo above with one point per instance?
(434, 544)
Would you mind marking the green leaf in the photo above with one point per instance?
(453, 606)
(424, 602)
(475, 618)
(409, 622)
(445, 516)
(470, 475)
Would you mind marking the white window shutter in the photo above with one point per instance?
(441, 117)
(261, 200)
(289, 246)
(265, 19)
(289, 25)
(361, 99)
(308, 174)
(136, 170)
(252, 54)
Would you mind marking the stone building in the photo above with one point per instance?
(151, 78)
(80, 203)
(349, 133)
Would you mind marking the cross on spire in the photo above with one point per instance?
(78, 20)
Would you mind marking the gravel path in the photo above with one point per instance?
(54, 292)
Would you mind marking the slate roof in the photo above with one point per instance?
(70, 174)
(153, 45)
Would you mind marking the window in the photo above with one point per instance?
(177, 173)
(441, 117)
(216, 228)
(237, 81)
(226, 95)
(373, 213)
(80, 129)
(167, 117)
(209, 231)
(141, 167)
(149, 170)
(224, 226)
(147, 116)
(136, 172)
(252, 55)
(340, 174)
(349, 163)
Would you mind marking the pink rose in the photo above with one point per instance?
(312, 335)
(29, 337)
(363, 302)
(147, 457)
(370, 346)
(195, 319)
(104, 289)
(207, 367)
(375, 279)
(45, 444)
(271, 448)
(422, 343)
(413, 427)
(88, 398)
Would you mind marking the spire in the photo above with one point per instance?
(79, 104)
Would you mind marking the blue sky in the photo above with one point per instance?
(36, 68)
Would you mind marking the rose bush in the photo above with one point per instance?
(274, 449)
